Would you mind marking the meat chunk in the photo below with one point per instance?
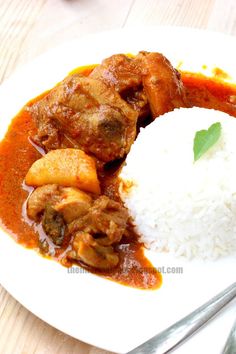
(124, 75)
(137, 98)
(146, 82)
(118, 71)
(94, 226)
(85, 113)
(96, 232)
(73, 203)
(106, 221)
(70, 202)
(162, 83)
(66, 167)
(56, 207)
(88, 250)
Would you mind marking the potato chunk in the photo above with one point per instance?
(65, 167)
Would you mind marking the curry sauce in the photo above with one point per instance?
(16, 156)
(17, 153)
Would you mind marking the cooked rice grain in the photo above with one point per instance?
(180, 206)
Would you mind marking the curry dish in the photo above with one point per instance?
(60, 159)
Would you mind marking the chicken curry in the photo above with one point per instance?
(61, 156)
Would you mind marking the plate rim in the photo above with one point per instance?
(7, 83)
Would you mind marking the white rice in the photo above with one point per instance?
(180, 206)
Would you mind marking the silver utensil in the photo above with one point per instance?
(181, 330)
(230, 345)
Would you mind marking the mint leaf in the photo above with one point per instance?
(205, 139)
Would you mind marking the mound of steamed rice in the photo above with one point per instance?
(177, 205)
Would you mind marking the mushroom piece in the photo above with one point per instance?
(54, 225)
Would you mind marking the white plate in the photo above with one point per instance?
(87, 307)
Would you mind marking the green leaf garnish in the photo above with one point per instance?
(205, 139)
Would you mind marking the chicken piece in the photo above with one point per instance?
(162, 83)
(118, 71)
(39, 198)
(96, 232)
(70, 202)
(85, 113)
(53, 225)
(106, 221)
(40, 204)
(109, 218)
(73, 204)
(137, 98)
(57, 206)
(87, 250)
(66, 167)
(124, 75)
(95, 227)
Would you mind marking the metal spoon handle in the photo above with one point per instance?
(230, 346)
(181, 330)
